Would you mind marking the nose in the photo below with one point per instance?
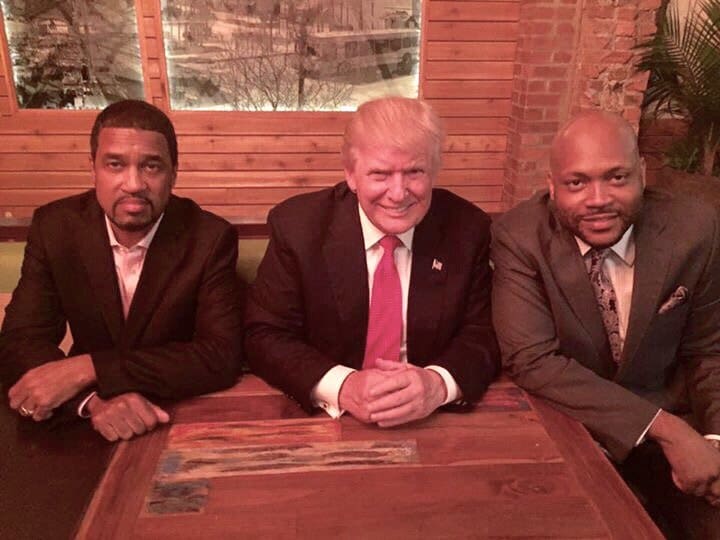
(396, 187)
(598, 195)
(133, 181)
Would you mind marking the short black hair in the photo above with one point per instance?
(134, 113)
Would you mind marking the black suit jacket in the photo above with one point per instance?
(308, 309)
(552, 336)
(182, 335)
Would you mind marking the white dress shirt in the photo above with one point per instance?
(129, 263)
(619, 267)
(326, 392)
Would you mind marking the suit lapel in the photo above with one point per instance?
(652, 258)
(344, 257)
(96, 254)
(165, 253)
(426, 295)
(571, 275)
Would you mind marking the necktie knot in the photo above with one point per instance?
(597, 256)
(389, 243)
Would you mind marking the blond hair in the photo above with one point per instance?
(406, 124)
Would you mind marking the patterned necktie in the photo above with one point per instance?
(606, 300)
(385, 318)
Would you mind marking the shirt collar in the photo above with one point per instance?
(623, 248)
(372, 235)
(143, 243)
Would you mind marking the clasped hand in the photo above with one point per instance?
(393, 393)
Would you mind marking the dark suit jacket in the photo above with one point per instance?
(308, 309)
(183, 332)
(551, 333)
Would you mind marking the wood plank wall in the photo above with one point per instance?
(240, 164)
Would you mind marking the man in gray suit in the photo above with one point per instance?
(618, 287)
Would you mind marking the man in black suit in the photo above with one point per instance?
(145, 279)
(374, 295)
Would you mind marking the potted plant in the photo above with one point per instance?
(683, 59)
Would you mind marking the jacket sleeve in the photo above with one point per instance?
(34, 323)
(531, 354)
(699, 349)
(275, 341)
(471, 355)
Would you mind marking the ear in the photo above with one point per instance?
(643, 167)
(350, 179)
(91, 162)
(174, 178)
(551, 185)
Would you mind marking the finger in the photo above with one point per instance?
(389, 365)
(123, 429)
(395, 417)
(162, 416)
(390, 401)
(16, 395)
(389, 385)
(106, 430)
(42, 414)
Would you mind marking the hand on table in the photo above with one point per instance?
(124, 416)
(694, 460)
(49, 385)
(393, 393)
(407, 393)
(354, 394)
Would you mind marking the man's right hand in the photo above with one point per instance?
(124, 416)
(354, 394)
(694, 460)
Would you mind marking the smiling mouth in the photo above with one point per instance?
(600, 221)
(397, 211)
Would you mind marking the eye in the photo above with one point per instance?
(575, 184)
(114, 164)
(415, 172)
(377, 176)
(619, 178)
(152, 166)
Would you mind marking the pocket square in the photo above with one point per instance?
(678, 297)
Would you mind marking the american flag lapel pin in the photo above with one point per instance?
(437, 265)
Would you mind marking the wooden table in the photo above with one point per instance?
(248, 463)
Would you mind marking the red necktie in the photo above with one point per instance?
(385, 319)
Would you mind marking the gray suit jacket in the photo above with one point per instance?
(551, 334)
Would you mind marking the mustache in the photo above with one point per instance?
(146, 200)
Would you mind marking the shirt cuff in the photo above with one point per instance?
(326, 393)
(641, 438)
(81, 412)
(714, 440)
(452, 388)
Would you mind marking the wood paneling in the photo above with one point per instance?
(239, 164)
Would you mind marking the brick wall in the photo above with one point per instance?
(572, 55)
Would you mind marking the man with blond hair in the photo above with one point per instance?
(606, 301)
(374, 295)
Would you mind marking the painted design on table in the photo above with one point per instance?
(191, 463)
(177, 497)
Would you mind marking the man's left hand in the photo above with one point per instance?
(410, 394)
(48, 386)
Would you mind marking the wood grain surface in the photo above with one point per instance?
(248, 463)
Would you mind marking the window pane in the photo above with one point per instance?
(260, 55)
(73, 54)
